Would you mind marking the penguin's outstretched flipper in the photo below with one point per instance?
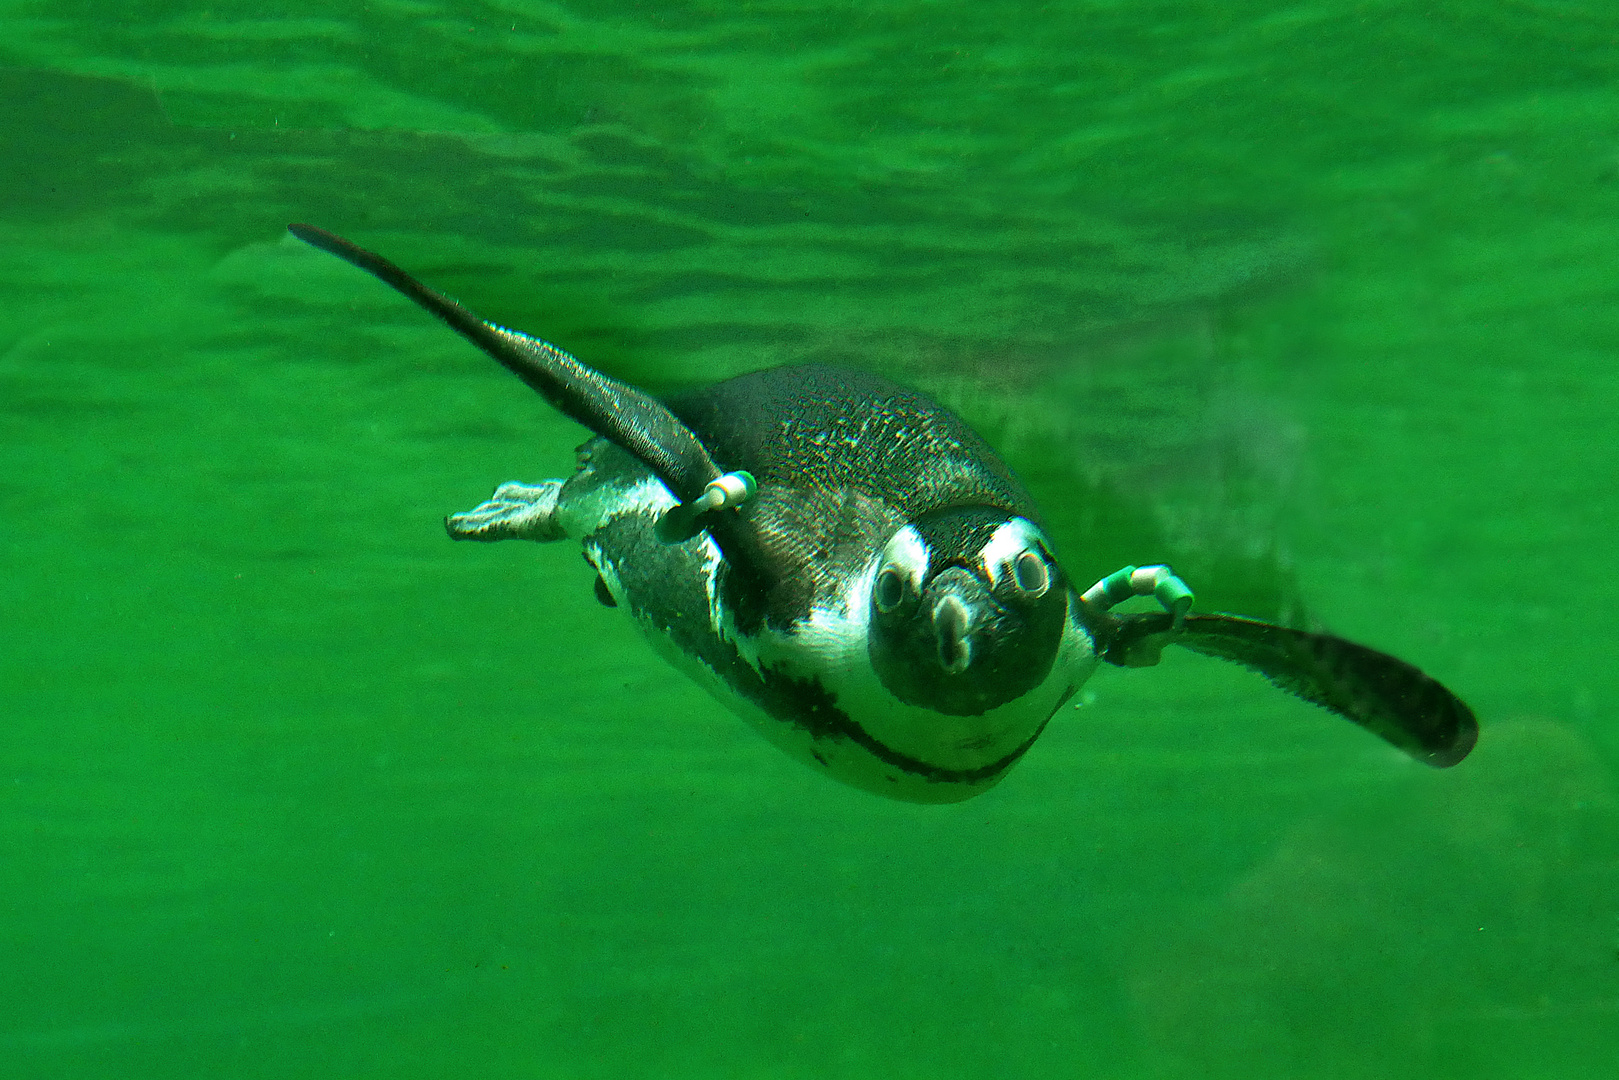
(616, 411)
(1384, 695)
(620, 413)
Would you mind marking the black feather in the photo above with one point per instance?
(1381, 693)
(634, 420)
(626, 416)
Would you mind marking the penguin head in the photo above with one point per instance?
(967, 610)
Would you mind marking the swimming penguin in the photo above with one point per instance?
(853, 570)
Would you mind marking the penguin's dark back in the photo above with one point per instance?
(819, 428)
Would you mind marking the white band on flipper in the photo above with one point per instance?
(724, 492)
(1158, 581)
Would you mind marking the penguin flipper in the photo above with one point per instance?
(616, 411)
(1385, 695)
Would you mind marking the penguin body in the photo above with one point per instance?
(839, 461)
(854, 571)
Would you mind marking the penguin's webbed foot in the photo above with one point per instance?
(514, 512)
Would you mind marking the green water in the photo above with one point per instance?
(1317, 300)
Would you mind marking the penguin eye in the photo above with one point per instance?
(1031, 575)
(889, 590)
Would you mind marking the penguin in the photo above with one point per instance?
(855, 572)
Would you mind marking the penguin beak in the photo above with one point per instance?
(958, 608)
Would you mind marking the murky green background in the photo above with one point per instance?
(1317, 300)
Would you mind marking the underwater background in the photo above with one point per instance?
(1317, 301)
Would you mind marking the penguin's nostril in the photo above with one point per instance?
(951, 623)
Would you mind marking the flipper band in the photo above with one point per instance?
(1156, 581)
(725, 492)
